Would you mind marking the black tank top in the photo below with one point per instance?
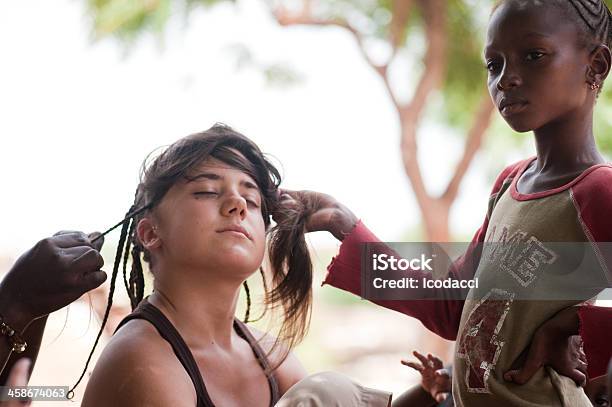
(151, 313)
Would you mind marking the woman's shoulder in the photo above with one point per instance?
(138, 367)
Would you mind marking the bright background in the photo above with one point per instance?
(78, 117)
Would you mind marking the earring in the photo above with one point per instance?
(594, 86)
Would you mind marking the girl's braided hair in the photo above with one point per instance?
(593, 18)
(288, 253)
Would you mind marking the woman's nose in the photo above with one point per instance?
(234, 205)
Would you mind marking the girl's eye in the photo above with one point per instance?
(534, 56)
(492, 66)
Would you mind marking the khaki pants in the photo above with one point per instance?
(330, 389)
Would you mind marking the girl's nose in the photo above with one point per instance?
(234, 205)
(508, 79)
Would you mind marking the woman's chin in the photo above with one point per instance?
(239, 258)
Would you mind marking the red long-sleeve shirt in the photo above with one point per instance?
(578, 211)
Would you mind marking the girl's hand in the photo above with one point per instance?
(324, 212)
(435, 380)
(555, 344)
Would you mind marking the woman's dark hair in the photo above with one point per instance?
(593, 18)
(288, 253)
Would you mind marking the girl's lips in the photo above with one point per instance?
(513, 108)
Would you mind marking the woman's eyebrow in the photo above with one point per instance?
(216, 177)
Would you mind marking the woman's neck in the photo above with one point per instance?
(202, 312)
(567, 144)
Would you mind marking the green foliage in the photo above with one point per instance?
(128, 19)
(465, 77)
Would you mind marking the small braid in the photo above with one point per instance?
(122, 239)
(126, 253)
(596, 15)
(247, 313)
(136, 291)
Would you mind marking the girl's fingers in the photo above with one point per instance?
(440, 397)
(420, 357)
(442, 373)
(415, 366)
(436, 361)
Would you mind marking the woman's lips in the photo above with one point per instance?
(236, 230)
(235, 233)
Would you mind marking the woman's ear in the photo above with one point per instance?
(599, 64)
(147, 234)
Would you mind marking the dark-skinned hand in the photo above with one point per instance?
(435, 380)
(49, 276)
(555, 344)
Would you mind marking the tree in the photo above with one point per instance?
(451, 33)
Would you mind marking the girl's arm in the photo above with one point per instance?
(596, 330)
(442, 315)
(592, 197)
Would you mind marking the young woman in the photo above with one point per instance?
(200, 219)
(547, 62)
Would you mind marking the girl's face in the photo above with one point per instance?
(537, 70)
(212, 221)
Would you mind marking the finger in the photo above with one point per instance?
(66, 232)
(440, 397)
(522, 375)
(582, 366)
(81, 259)
(92, 280)
(578, 377)
(99, 240)
(71, 239)
(436, 361)
(87, 260)
(442, 372)
(420, 357)
(19, 373)
(415, 366)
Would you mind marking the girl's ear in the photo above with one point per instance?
(147, 234)
(599, 66)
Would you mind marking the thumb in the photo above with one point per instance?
(440, 397)
(93, 279)
(578, 377)
(522, 375)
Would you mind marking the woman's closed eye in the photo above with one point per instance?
(251, 201)
(199, 193)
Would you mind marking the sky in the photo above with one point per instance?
(78, 117)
